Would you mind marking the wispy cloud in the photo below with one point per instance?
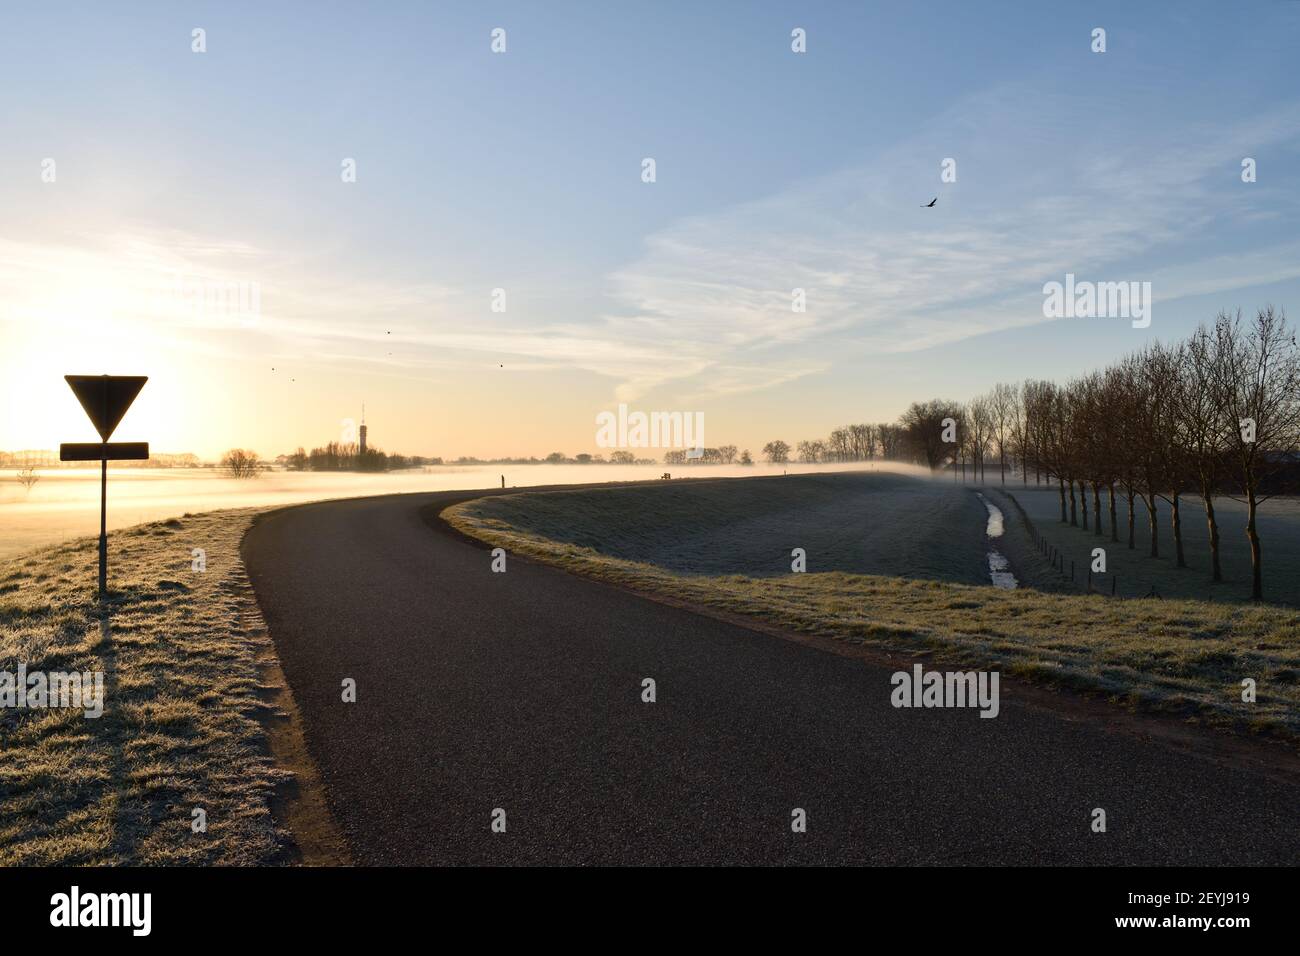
(889, 276)
(705, 310)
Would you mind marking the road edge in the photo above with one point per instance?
(299, 804)
(1220, 745)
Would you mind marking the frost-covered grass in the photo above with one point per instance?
(1137, 571)
(179, 729)
(1180, 657)
(872, 523)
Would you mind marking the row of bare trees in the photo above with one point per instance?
(1215, 415)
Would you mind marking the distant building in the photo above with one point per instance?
(363, 429)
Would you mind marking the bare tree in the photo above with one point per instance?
(1004, 401)
(1055, 451)
(924, 429)
(1204, 428)
(812, 452)
(777, 452)
(891, 439)
(1035, 403)
(1164, 366)
(1094, 435)
(28, 477)
(980, 431)
(1257, 386)
(1122, 394)
(240, 463)
(1146, 418)
(863, 438)
(839, 445)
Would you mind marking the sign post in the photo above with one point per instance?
(105, 399)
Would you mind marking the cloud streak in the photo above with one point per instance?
(889, 276)
(705, 310)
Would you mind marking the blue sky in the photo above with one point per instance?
(521, 171)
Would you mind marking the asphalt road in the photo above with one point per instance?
(522, 691)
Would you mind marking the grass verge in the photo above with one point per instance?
(180, 727)
(1184, 657)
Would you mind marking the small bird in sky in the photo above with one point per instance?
(930, 203)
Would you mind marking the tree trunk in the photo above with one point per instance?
(1257, 576)
(1083, 500)
(1154, 521)
(1074, 506)
(1132, 546)
(1096, 507)
(1177, 521)
(1114, 527)
(1060, 490)
(1216, 570)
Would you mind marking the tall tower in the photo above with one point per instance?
(363, 429)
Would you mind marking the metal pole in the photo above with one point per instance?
(103, 528)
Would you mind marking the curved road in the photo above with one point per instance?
(522, 691)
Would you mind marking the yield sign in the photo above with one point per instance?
(106, 397)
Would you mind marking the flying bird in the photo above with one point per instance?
(930, 203)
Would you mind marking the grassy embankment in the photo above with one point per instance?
(1181, 657)
(180, 730)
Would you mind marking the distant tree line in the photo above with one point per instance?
(47, 458)
(615, 458)
(348, 456)
(845, 444)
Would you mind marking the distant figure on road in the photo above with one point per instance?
(503, 481)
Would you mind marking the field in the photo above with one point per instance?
(1137, 572)
(1183, 657)
(882, 523)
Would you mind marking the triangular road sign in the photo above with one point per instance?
(106, 397)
